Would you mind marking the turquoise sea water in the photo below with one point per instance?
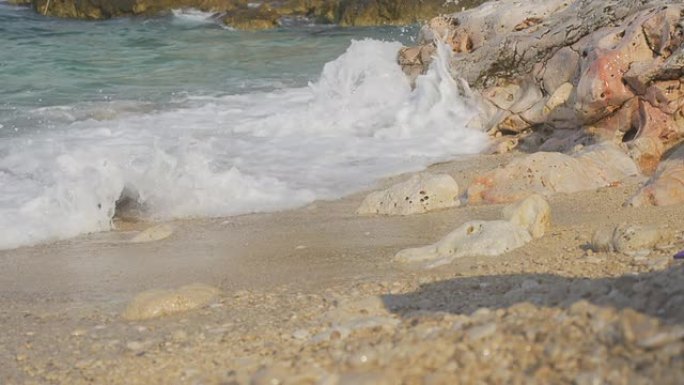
(191, 119)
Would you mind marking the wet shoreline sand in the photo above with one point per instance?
(306, 294)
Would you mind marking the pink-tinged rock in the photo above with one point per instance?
(666, 187)
(546, 173)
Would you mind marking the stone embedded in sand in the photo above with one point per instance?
(474, 238)
(630, 239)
(421, 193)
(157, 302)
(546, 173)
(154, 233)
(666, 187)
(532, 213)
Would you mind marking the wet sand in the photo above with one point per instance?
(312, 296)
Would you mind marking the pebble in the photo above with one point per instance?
(479, 332)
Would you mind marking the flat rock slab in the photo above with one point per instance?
(157, 302)
(547, 173)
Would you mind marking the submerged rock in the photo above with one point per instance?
(154, 233)
(421, 193)
(158, 303)
(547, 173)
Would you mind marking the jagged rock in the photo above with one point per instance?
(158, 303)
(532, 213)
(421, 193)
(546, 173)
(526, 220)
(610, 68)
(666, 187)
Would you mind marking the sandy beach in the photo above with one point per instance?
(312, 295)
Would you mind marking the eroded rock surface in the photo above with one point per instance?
(421, 193)
(525, 220)
(612, 69)
(666, 187)
(546, 173)
(631, 239)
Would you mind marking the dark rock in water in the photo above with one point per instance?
(243, 14)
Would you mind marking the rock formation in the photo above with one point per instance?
(666, 187)
(243, 14)
(604, 70)
(421, 193)
(547, 173)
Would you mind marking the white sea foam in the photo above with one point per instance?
(193, 15)
(236, 154)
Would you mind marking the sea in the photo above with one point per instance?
(187, 118)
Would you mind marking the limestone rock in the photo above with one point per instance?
(666, 187)
(158, 303)
(630, 239)
(532, 213)
(546, 173)
(474, 238)
(421, 193)
(612, 69)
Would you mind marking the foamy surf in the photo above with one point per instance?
(222, 156)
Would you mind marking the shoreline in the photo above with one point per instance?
(65, 300)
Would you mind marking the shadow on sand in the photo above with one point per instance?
(658, 294)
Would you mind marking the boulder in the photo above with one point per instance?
(547, 173)
(666, 187)
(421, 193)
(157, 303)
(612, 69)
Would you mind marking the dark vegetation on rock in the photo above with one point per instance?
(242, 14)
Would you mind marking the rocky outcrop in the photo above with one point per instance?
(244, 14)
(421, 193)
(666, 187)
(524, 221)
(547, 173)
(610, 69)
